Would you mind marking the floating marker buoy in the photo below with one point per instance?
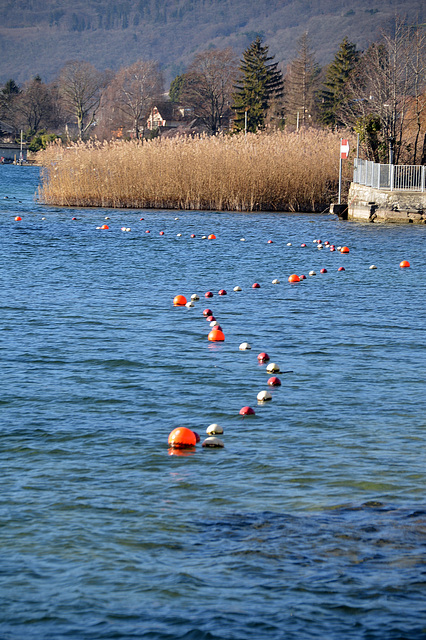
(175, 218)
(161, 233)
(244, 346)
(319, 246)
(289, 244)
(123, 228)
(141, 218)
(197, 437)
(179, 301)
(190, 304)
(338, 248)
(373, 266)
(404, 264)
(214, 429)
(312, 273)
(263, 357)
(45, 218)
(323, 270)
(326, 243)
(256, 285)
(208, 294)
(294, 278)
(246, 411)
(222, 292)
(182, 437)
(274, 381)
(263, 396)
(105, 226)
(272, 367)
(216, 335)
(195, 297)
(214, 323)
(106, 217)
(192, 235)
(302, 277)
(303, 244)
(147, 231)
(18, 218)
(237, 288)
(242, 239)
(344, 250)
(332, 248)
(341, 269)
(213, 443)
(73, 218)
(203, 237)
(270, 241)
(179, 235)
(210, 318)
(207, 312)
(276, 281)
(212, 237)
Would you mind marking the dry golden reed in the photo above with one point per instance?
(281, 171)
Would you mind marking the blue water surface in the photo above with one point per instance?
(309, 523)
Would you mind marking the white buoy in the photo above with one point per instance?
(319, 246)
(338, 248)
(214, 323)
(203, 237)
(128, 229)
(276, 281)
(195, 297)
(43, 218)
(312, 273)
(237, 288)
(176, 218)
(289, 244)
(244, 346)
(373, 266)
(213, 443)
(189, 304)
(106, 218)
(179, 235)
(264, 396)
(214, 429)
(242, 239)
(272, 368)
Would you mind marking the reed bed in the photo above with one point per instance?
(276, 172)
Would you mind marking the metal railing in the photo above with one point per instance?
(389, 176)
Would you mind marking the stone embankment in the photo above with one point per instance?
(367, 204)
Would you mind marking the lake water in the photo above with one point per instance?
(310, 523)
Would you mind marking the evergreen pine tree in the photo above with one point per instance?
(333, 93)
(260, 81)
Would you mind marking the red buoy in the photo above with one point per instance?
(179, 301)
(192, 235)
(147, 231)
(270, 241)
(207, 312)
(341, 269)
(182, 437)
(274, 381)
(210, 318)
(222, 292)
(161, 233)
(216, 335)
(256, 285)
(323, 270)
(208, 294)
(263, 357)
(404, 264)
(302, 277)
(303, 244)
(246, 411)
(17, 218)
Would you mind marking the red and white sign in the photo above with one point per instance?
(344, 148)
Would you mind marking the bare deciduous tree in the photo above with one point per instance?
(81, 85)
(208, 87)
(301, 83)
(132, 94)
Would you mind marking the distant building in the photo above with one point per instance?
(11, 152)
(167, 115)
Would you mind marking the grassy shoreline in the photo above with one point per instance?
(282, 171)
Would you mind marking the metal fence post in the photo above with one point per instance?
(423, 176)
(392, 174)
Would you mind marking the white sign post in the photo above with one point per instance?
(344, 152)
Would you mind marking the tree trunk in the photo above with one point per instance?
(423, 160)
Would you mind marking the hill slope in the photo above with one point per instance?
(39, 36)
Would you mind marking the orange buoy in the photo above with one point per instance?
(274, 381)
(161, 233)
(211, 237)
(404, 263)
(182, 437)
(294, 278)
(344, 250)
(179, 301)
(216, 335)
(263, 357)
(105, 226)
(256, 285)
(246, 411)
(18, 218)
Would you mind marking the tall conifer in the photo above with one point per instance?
(337, 74)
(260, 81)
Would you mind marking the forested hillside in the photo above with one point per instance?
(39, 36)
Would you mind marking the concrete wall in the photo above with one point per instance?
(10, 151)
(375, 205)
